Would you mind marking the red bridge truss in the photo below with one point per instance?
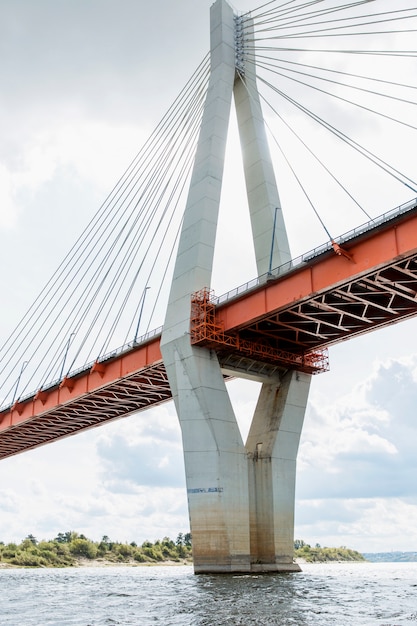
(284, 320)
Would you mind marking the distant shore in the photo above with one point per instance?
(71, 549)
(132, 563)
(104, 563)
(88, 563)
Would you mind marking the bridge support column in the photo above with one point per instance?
(274, 435)
(216, 470)
(241, 499)
(214, 454)
(272, 448)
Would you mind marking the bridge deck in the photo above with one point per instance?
(370, 283)
(326, 299)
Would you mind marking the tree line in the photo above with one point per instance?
(318, 554)
(68, 548)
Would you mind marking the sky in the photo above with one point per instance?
(83, 84)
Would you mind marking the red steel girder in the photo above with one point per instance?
(333, 297)
(126, 384)
(329, 299)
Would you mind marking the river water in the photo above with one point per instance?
(339, 594)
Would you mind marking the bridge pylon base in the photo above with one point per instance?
(270, 568)
(272, 448)
(252, 568)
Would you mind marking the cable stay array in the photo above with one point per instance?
(338, 93)
(338, 131)
(112, 286)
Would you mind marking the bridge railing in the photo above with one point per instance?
(299, 261)
(117, 351)
(85, 368)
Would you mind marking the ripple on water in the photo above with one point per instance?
(331, 594)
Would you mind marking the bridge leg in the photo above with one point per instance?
(272, 448)
(275, 432)
(214, 454)
(271, 246)
(215, 465)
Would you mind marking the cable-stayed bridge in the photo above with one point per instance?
(275, 331)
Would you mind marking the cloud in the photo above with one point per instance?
(147, 452)
(65, 50)
(362, 445)
(61, 162)
(367, 524)
(83, 94)
(8, 501)
(7, 202)
(394, 387)
(72, 488)
(357, 464)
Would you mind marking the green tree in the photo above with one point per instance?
(32, 539)
(66, 537)
(83, 547)
(66, 548)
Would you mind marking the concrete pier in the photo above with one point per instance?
(241, 498)
(272, 448)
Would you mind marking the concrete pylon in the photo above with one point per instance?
(241, 498)
(274, 436)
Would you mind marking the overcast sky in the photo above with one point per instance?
(82, 85)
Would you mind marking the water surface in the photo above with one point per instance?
(342, 594)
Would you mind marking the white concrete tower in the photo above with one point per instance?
(274, 436)
(241, 498)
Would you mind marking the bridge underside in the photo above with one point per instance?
(131, 394)
(383, 297)
(303, 328)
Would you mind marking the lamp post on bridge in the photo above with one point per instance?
(271, 256)
(135, 340)
(22, 369)
(66, 354)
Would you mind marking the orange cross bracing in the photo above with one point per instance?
(284, 321)
(208, 331)
(333, 297)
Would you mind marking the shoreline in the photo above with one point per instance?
(103, 563)
(132, 563)
(83, 563)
